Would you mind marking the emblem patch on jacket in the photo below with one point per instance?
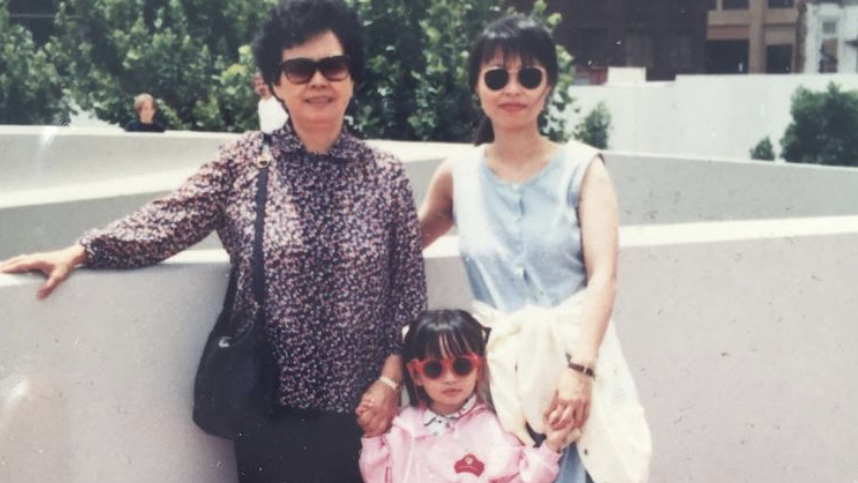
(469, 464)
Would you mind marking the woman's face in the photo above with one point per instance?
(320, 101)
(517, 102)
(147, 112)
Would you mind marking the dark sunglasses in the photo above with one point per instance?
(528, 77)
(301, 70)
(434, 368)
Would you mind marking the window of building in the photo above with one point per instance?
(735, 5)
(589, 46)
(781, 3)
(679, 53)
(727, 56)
(829, 27)
(779, 59)
(712, 5)
(639, 50)
(828, 59)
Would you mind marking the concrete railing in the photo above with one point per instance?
(739, 335)
(80, 180)
(735, 310)
(59, 182)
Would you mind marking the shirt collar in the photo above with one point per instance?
(437, 423)
(286, 140)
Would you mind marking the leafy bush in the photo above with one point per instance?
(417, 84)
(595, 128)
(824, 129)
(186, 53)
(30, 87)
(764, 150)
(192, 55)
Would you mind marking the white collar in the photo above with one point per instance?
(437, 423)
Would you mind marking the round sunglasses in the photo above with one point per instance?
(302, 69)
(434, 368)
(528, 77)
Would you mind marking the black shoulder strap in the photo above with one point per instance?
(262, 163)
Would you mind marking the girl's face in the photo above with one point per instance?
(452, 385)
(512, 94)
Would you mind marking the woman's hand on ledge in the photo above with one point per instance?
(56, 265)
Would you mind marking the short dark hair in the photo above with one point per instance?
(438, 332)
(294, 22)
(512, 36)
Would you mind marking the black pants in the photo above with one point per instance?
(299, 446)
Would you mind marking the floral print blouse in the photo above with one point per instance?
(343, 264)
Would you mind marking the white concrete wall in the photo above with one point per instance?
(653, 189)
(739, 332)
(59, 182)
(739, 335)
(722, 116)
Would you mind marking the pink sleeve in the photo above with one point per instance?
(375, 462)
(529, 465)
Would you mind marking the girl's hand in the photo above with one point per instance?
(376, 409)
(571, 405)
(555, 439)
(56, 265)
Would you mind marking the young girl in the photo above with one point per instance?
(448, 434)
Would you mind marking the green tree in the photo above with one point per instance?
(764, 150)
(417, 82)
(187, 53)
(193, 56)
(595, 128)
(824, 127)
(30, 88)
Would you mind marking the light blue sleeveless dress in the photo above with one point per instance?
(521, 242)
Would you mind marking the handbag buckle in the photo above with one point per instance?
(265, 159)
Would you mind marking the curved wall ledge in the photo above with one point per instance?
(740, 336)
(59, 183)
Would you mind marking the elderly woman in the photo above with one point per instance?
(341, 249)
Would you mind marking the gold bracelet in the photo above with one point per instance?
(389, 383)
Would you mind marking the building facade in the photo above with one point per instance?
(667, 37)
(831, 40)
(754, 36)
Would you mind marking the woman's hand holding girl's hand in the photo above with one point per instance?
(571, 405)
(555, 438)
(56, 265)
(377, 409)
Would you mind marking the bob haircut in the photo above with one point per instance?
(141, 99)
(512, 36)
(294, 22)
(439, 333)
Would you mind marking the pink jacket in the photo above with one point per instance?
(476, 449)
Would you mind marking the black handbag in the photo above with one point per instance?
(236, 381)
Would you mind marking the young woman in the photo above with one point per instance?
(537, 221)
